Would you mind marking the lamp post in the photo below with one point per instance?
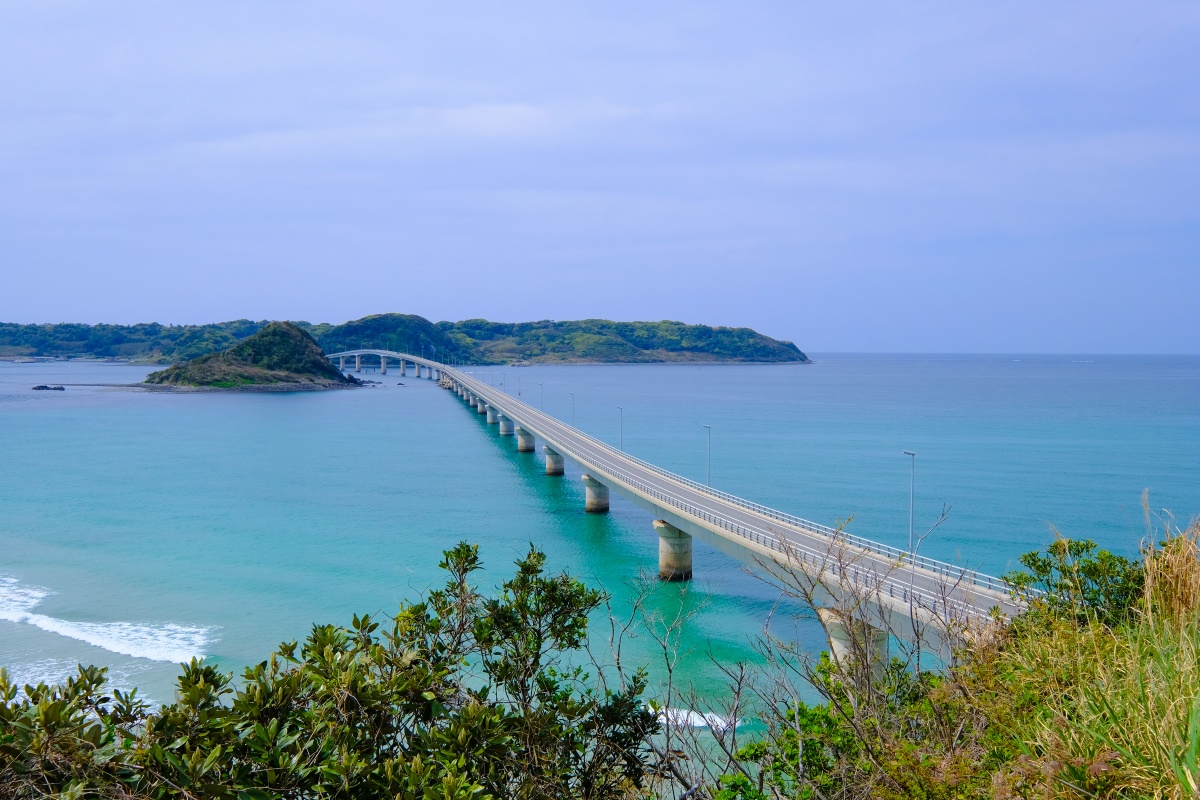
(709, 428)
(622, 410)
(572, 408)
(912, 485)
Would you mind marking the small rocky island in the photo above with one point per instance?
(280, 357)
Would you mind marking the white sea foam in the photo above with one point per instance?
(17, 600)
(163, 641)
(686, 718)
(46, 670)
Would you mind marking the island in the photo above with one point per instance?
(471, 341)
(280, 356)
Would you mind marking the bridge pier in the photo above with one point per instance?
(383, 365)
(506, 425)
(674, 552)
(851, 639)
(524, 440)
(554, 460)
(596, 501)
(492, 416)
(358, 363)
(342, 364)
(480, 406)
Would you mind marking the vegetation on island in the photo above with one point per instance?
(474, 341)
(150, 342)
(279, 353)
(602, 340)
(1094, 692)
(405, 333)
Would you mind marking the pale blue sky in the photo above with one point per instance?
(1005, 177)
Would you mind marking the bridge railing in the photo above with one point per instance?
(864, 578)
(943, 568)
(954, 575)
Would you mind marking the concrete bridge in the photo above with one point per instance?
(421, 367)
(903, 591)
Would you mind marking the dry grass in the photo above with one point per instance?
(1106, 712)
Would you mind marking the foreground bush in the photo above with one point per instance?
(1093, 693)
(459, 697)
(1110, 711)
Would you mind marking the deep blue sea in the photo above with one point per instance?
(139, 529)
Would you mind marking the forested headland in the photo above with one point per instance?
(474, 341)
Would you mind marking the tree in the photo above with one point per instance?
(461, 697)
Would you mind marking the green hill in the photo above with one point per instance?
(148, 341)
(279, 353)
(468, 341)
(405, 333)
(602, 340)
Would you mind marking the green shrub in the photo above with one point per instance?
(460, 697)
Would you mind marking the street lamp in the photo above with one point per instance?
(709, 428)
(622, 410)
(912, 484)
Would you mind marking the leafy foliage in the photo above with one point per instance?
(1094, 692)
(896, 739)
(461, 697)
(1077, 580)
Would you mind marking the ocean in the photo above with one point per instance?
(142, 529)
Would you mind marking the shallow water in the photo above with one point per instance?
(142, 528)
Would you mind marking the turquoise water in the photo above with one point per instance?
(139, 529)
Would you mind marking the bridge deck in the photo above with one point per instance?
(893, 575)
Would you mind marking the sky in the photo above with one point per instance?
(916, 177)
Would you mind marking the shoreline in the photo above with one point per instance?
(248, 388)
(571, 363)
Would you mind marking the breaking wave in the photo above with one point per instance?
(165, 641)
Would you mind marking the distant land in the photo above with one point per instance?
(279, 353)
(472, 341)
